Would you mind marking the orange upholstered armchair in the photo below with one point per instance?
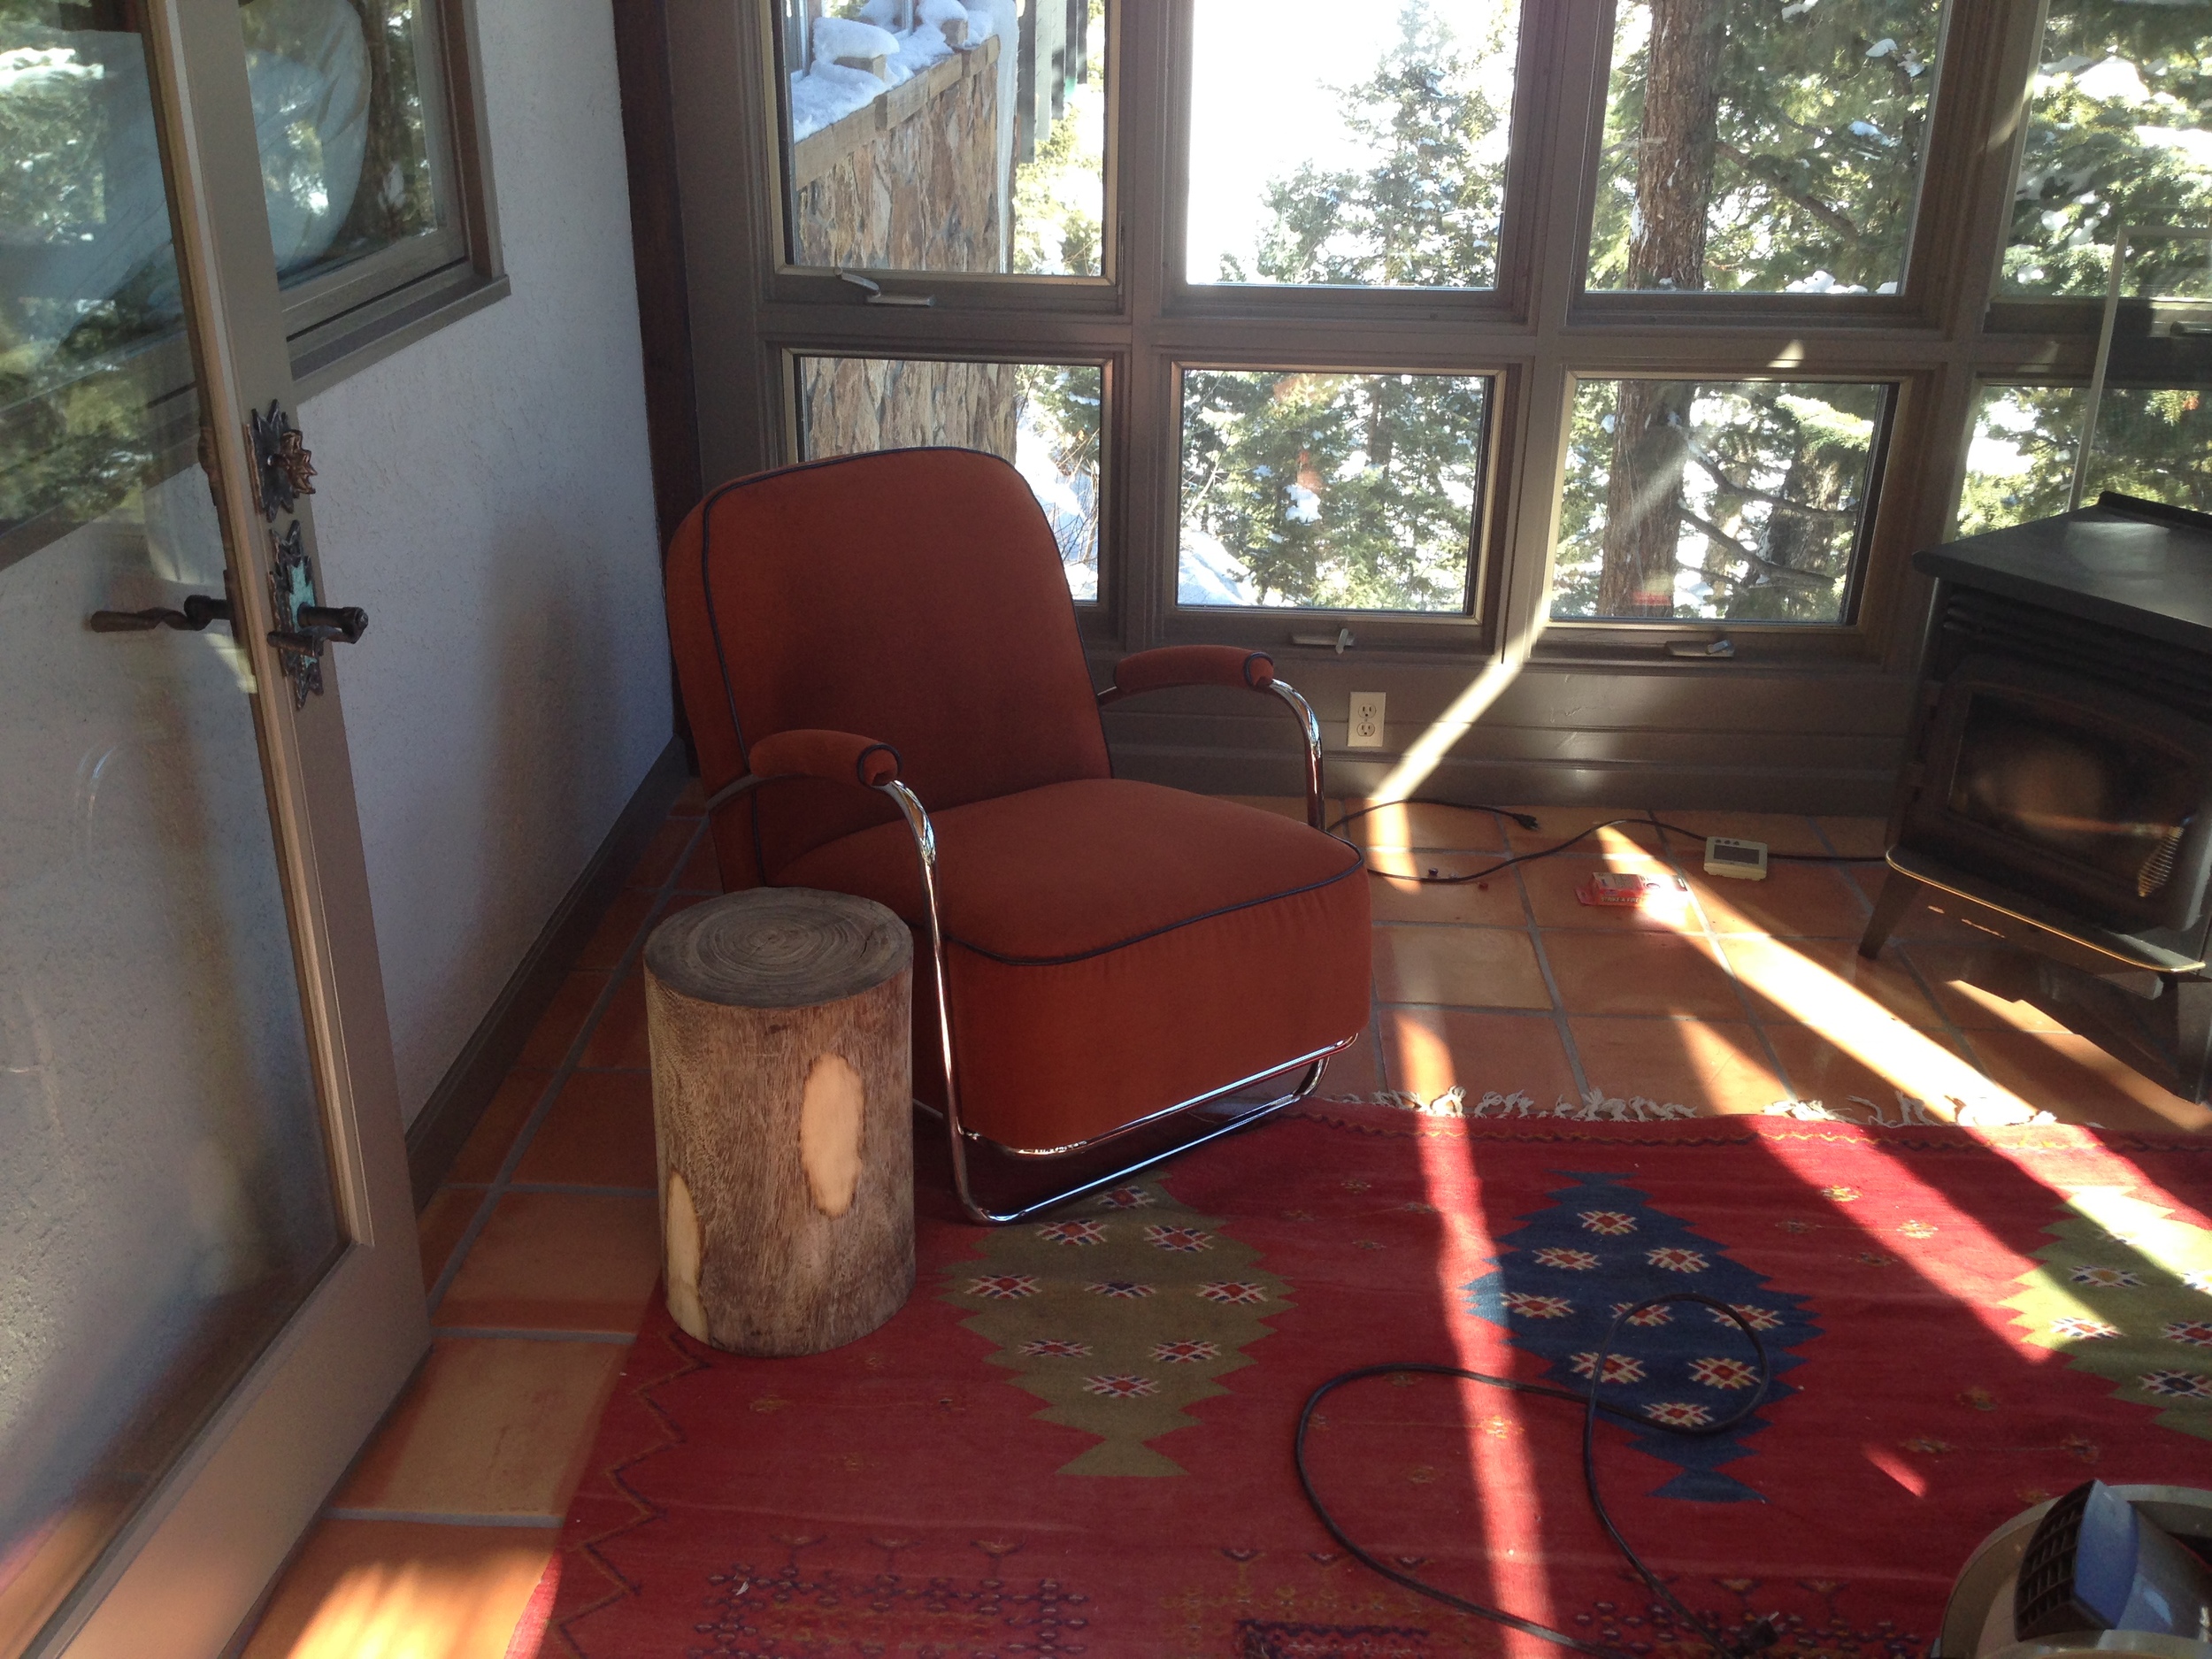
(880, 661)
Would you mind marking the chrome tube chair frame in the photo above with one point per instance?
(958, 1136)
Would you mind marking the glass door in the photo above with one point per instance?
(207, 1289)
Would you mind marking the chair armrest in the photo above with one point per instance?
(832, 756)
(1229, 665)
(1239, 670)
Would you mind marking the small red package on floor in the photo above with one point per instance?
(1612, 888)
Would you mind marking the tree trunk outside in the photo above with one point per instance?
(374, 221)
(1666, 249)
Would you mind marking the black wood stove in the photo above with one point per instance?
(2059, 783)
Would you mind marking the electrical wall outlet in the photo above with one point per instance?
(1367, 721)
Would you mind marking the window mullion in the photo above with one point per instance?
(1576, 40)
(1973, 156)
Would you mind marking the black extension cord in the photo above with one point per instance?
(1751, 1639)
(1527, 822)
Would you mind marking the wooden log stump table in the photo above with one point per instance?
(782, 1092)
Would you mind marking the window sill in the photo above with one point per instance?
(1824, 651)
(332, 352)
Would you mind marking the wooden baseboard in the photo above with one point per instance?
(445, 1123)
(1834, 791)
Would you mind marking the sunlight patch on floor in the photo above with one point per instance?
(1897, 1469)
(417, 1610)
(1498, 1464)
(1422, 1063)
(1910, 1060)
(1929, 1213)
(2146, 1228)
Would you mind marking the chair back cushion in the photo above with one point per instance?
(914, 596)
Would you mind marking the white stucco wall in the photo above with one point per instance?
(486, 495)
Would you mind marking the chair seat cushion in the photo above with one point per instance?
(1116, 949)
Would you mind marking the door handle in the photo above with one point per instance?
(199, 611)
(318, 623)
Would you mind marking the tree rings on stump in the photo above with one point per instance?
(782, 1092)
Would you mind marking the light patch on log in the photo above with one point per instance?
(682, 1226)
(829, 1133)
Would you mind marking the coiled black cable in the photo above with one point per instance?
(1756, 1636)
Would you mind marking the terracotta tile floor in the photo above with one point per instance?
(538, 1256)
(1717, 994)
(540, 1253)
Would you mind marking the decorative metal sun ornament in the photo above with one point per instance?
(304, 625)
(291, 591)
(282, 462)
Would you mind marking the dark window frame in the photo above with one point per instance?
(340, 321)
(1534, 333)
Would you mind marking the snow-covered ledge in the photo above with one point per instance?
(823, 148)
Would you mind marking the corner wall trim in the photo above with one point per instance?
(447, 1119)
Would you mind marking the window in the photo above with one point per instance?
(2020, 464)
(373, 169)
(930, 135)
(1752, 145)
(367, 204)
(1339, 492)
(1478, 332)
(357, 161)
(1042, 417)
(2151, 442)
(2119, 132)
(93, 374)
(1378, 162)
(1733, 502)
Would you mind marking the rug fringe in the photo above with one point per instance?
(1598, 1107)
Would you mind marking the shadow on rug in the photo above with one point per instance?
(1075, 1439)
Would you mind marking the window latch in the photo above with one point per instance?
(1340, 641)
(877, 296)
(1701, 651)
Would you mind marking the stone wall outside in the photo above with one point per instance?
(906, 184)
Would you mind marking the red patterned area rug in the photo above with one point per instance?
(1075, 1439)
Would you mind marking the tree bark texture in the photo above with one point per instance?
(782, 1098)
(1666, 249)
(373, 219)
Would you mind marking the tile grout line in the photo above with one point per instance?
(501, 1184)
(1374, 1015)
(1413, 857)
(538, 1333)
(571, 1058)
(1911, 964)
(1545, 1013)
(1551, 982)
(1728, 967)
(434, 1517)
